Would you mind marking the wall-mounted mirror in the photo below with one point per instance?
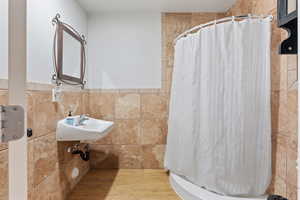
(69, 54)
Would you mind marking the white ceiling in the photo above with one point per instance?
(156, 5)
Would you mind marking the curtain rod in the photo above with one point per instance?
(232, 18)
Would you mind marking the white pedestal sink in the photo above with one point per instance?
(89, 129)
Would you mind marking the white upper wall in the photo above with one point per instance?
(4, 39)
(156, 5)
(124, 50)
(40, 33)
(124, 37)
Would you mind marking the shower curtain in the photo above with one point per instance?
(219, 122)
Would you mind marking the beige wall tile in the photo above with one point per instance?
(291, 192)
(45, 158)
(293, 111)
(116, 156)
(241, 7)
(102, 105)
(45, 114)
(173, 25)
(3, 97)
(292, 80)
(71, 101)
(30, 165)
(279, 139)
(103, 157)
(130, 156)
(48, 189)
(264, 6)
(293, 142)
(279, 112)
(128, 106)
(280, 161)
(154, 106)
(154, 131)
(169, 51)
(292, 168)
(126, 132)
(4, 175)
(67, 181)
(153, 156)
(168, 73)
(166, 87)
(85, 102)
(278, 72)
(279, 186)
(292, 62)
(202, 18)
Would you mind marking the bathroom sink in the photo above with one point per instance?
(88, 129)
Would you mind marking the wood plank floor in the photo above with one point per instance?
(124, 185)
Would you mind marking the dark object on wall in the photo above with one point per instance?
(288, 20)
(276, 197)
(63, 35)
(29, 132)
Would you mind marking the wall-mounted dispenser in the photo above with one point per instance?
(288, 20)
(56, 94)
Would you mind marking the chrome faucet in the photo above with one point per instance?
(82, 118)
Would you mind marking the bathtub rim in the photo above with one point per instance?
(188, 191)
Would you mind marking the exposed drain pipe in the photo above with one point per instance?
(83, 152)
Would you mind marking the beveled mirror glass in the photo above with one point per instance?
(71, 64)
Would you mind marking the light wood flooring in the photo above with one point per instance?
(124, 185)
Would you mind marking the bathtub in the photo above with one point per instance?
(188, 191)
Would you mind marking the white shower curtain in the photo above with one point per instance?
(219, 122)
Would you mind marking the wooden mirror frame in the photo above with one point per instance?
(60, 77)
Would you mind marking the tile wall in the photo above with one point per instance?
(3, 157)
(49, 165)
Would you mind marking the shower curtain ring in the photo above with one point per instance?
(233, 19)
(261, 17)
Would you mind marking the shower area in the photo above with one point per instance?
(199, 103)
(222, 139)
(234, 137)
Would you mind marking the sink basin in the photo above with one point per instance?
(90, 129)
